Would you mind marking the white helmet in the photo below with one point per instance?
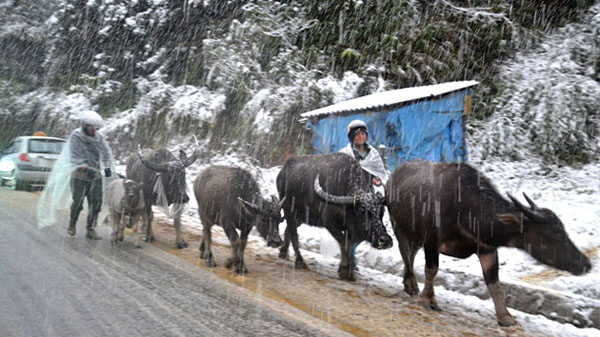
(90, 117)
(357, 123)
(353, 128)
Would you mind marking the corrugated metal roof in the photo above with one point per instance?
(390, 98)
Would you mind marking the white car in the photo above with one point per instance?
(28, 161)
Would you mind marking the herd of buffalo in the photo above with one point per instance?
(448, 208)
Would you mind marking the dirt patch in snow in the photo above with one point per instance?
(355, 307)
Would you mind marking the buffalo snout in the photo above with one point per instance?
(274, 241)
(580, 268)
(380, 239)
(383, 242)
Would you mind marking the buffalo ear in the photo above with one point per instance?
(510, 220)
(182, 155)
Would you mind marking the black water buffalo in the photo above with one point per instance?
(230, 197)
(453, 209)
(331, 191)
(163, 180)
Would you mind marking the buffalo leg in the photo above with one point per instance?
(283, 251)
(114, 217)
(240, 267)
(489, 264)
(432, 261)
(177, 210)
(121, 229)
(299, 262)
(134, 224)
(147, 218)
(408, 252)
(236, 243)
(205, 250)
(345, 271)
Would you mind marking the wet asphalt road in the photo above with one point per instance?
(55, 285)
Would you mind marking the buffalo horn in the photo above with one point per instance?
(190, 160)
(280, 204)
(153, 166)
(531, 203)
(274, 199)
(530, 213)
(252, 206)
(335, 199)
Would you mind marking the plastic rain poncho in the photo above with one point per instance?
(372, 163)
(79, 149)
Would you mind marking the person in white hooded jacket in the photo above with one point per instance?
(88, 151)
(367, 156)
(76, 175)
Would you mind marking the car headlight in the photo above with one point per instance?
(7, 166)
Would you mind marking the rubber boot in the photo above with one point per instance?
(71, 230)
(91, 223)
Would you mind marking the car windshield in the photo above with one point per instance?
(45, 145)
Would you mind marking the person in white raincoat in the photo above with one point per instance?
(367, 156)
(76, 175)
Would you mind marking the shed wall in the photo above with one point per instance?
(430, 129)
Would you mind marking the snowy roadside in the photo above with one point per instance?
(537, 295)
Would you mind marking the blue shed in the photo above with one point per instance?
(420, 122)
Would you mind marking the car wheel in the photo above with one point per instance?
(20, 185)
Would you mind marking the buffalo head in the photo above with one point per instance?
(172, 172)
(133, 193)
(544, 237)
(268, 217)
(370, 206)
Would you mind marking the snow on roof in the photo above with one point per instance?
(390, 98)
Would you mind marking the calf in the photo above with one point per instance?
(453, 209)
(125, 198)
(230, 197)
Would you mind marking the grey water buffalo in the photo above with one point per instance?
(125, 200)
(230, 197)
(453, 209)
(163, 178)
(331, 191)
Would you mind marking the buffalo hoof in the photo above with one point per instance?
(121, 237)
(283, 254)
(411, 287)
(149, 238)
(241, 269)
(299, 264)
(346, 274)
(506, 320)
(182, 245)
(210, 263)
(230, 263)
(236, 266)
(431, 304)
